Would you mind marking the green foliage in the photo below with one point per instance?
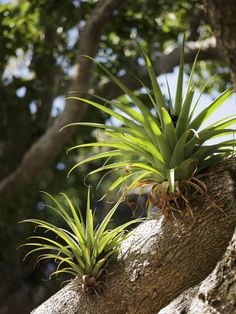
(38, 53)
(80, 250)
(164, 144)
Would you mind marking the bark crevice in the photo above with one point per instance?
(216, 294)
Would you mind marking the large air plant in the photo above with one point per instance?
(162, 146)
(81, 250)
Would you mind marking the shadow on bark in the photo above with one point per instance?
(162, 258)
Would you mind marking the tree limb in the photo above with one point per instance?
(216, 294)
(222, 18)
(163, 64)
(47, 148)
(161, 258)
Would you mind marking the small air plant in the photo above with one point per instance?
(164, 147)
(81, 250)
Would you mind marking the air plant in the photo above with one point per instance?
(163, 146)
(81, 250)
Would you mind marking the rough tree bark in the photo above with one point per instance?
(47, 148)
(222, 19)
(162, 258)
(43, 152)
(216, 294)
(166, 257)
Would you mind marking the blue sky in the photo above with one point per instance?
(6, 1)
(228, 108)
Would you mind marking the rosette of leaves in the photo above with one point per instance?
(162, 146)
(81, 250)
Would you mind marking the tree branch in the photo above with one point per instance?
(47, 148)
(161, 258)
(47, 78)
(216, 294)
(163, 64)
(222, 18)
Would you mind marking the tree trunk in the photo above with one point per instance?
(216, 294)
(15, 187)
(223, 22)
(162, 258)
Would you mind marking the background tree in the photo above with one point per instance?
(40, 61)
